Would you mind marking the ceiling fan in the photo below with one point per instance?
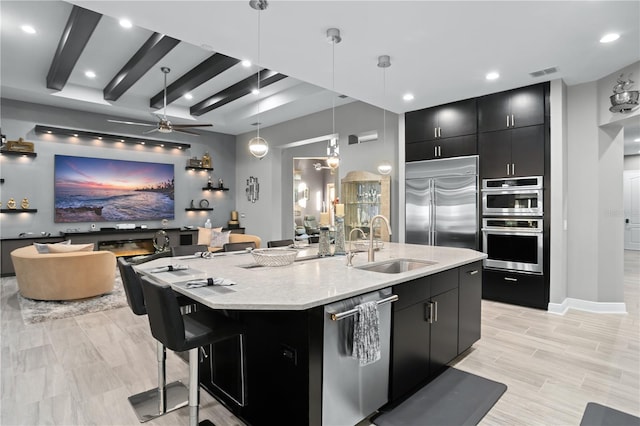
(164, 125)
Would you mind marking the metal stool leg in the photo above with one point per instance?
(161, 400)
(194, 390)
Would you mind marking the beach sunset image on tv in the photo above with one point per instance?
(104, 190)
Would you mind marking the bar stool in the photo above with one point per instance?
(186, 332)
(166, 397)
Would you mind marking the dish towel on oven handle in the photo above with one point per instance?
(208, 282)
(366, 333)
(169, 268)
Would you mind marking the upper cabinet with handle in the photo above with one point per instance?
(511, 109)
(441, 122)
(443, 131)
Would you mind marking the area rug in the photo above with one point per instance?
(601, 415)
(35, 311)
(455, 397)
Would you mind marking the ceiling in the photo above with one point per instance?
(440, 52)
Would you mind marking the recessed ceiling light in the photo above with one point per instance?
(188, 96)
(246, 63)
(28, 29)
(636, 140)
(90, 74)
(408, 97)
(608, 38)
(125, 23)
(492, 76)
(255, 91)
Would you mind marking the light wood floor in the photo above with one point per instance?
(80, 371)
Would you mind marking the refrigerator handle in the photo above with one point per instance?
(433, 212)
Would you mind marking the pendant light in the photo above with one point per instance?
(384, 62)
(258, 147)
(333, 148)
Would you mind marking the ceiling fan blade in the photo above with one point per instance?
(150, 131)
(134, 123)
(183, 126)
(188, 132)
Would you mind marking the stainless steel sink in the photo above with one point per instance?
(396, 266)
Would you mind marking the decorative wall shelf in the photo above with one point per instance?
(59, 131)
(199, 209)
(18, 210)
(210, 169)
(213, 188)
(18, 153)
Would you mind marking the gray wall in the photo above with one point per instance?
(632, 162)
(33, 177)
(271, 216)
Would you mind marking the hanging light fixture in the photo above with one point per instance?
(333, 148)
(258, 147)
(384, 62)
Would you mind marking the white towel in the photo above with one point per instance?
(209, 281)
(366, 333)
(168, 268)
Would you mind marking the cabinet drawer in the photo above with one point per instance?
(444, 281)
(411, 292)
(519, 289)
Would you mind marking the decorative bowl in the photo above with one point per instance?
(274, 256)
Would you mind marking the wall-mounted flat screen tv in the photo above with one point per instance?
(105, 190)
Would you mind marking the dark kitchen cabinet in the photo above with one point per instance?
(441, 148)
(513, 152)
(425, 330)
(518, 289)
(222, 367)
(441, 122)
(469, 305)
(444, 330)
(512, 109)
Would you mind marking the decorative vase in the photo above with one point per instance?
(340, 248)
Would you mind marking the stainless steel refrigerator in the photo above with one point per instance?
(442, 202)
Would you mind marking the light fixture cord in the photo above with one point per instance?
(333, 86)
(384, 110)
(259, 66)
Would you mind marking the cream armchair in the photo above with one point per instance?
(63, 276)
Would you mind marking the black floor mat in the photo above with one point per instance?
(453, 398)
(600, 415)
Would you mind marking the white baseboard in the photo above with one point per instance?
(587, 305)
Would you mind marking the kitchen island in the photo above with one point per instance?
(279, 378)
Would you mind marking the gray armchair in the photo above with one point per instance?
(311, 225)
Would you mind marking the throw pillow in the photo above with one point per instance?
(44, 248)
(204, 235)
(68, 248)
(218, 239)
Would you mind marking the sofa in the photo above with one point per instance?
(63, 276)
(215, 238)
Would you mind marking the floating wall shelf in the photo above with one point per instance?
(210, 169)
(199, 209)
(110, 137)
(18, 210)
(18, 153)
(213, 188)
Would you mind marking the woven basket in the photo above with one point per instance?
(274, 256)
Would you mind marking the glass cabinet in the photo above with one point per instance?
(365, 195)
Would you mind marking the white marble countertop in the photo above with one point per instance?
(307, 283)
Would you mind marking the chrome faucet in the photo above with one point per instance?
(371, 223)
(350, 254)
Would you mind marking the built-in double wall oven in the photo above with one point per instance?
(512, 224)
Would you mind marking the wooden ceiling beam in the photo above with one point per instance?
(238, 90)
(154, 49)
(75, 36)
(201, 73)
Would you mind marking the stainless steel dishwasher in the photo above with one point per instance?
(351, 392)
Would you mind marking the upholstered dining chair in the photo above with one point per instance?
(188, 249)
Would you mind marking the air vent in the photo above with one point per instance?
(544, 72)
(257, 123)
(343, 96)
